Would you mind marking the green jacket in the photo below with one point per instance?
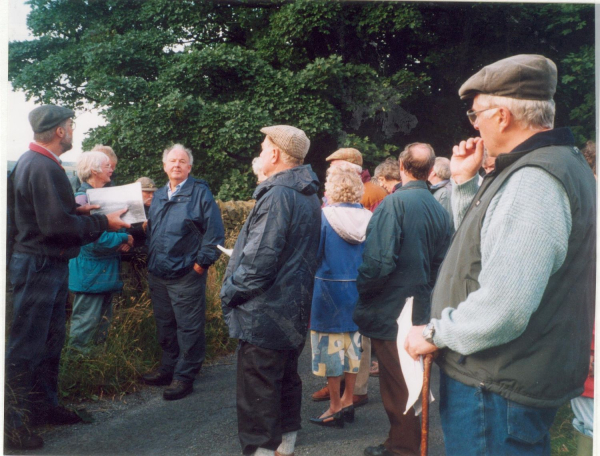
(407, 239)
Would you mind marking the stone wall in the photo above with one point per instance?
(234, 215)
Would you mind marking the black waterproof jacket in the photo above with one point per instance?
(267, 289)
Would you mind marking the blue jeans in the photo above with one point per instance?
(180, 312)
(480, 423)
(37, 334)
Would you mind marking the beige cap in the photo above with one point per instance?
(292, 140)
(524, 76)
(148, 184)
(348, 154)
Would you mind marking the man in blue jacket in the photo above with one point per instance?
(184, 229)
(267, 293)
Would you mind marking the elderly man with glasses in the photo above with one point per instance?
(512, 309)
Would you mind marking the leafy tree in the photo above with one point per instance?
(376, 75)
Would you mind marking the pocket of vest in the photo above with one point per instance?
(528, 424)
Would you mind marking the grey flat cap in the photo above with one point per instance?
(524, 76)
(292, 140)
(348, 154)
(45, 117)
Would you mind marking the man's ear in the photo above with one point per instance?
(401, 166)
(276, 155)
(505, 118)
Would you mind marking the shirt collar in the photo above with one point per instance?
(177, 188)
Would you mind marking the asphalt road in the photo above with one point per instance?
(205, 423)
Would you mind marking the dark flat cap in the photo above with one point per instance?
(524, 76)
(45, 117)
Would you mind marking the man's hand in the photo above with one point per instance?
(145, 226)
(115, 223)
(130, 240)
(86, 209)
(466, 160)
(415, 344)
(123, 248)
(199, 269)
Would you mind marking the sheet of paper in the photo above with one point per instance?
(111, 199)
(411, 369)
(227, 252)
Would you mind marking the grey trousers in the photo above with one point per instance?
(90, 320)
(180, 312)
(362, 379)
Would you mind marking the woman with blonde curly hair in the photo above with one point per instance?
(336, 343)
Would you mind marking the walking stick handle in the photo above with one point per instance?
(428, 359)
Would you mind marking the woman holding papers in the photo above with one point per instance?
(336, 343)
(95, 274)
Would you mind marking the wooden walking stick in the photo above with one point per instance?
(427, 360)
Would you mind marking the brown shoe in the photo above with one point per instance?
(321, 395)
(277, 453)
(178, 389)
(359, 401)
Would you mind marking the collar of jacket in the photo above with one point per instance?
(556, 137)
(413, 184)
(397, 187)
(440, 184)
(83, 187)
(46, 153)
(185, 190)
(300, 178)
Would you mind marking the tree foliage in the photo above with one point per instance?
(376, 75)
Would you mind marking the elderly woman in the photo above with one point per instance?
(336, 343)
(388, 175)
(94, 274)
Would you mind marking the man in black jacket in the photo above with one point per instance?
(407, 239)
(267, 292)
(45, 230)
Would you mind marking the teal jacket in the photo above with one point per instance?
(97, 267)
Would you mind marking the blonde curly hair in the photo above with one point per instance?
(343, 186)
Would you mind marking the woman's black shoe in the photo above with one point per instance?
(348, 414)
(337, 421)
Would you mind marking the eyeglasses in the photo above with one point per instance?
(472, 115)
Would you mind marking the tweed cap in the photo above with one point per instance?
(45, 117)
(347, 154)
(292, 140)
(148, 184)
(524, 76)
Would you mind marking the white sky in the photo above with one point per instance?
(19, 133)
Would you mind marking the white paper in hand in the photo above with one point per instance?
(412, 370)
(111, 199)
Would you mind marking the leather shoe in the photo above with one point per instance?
(58, 415)
(348, 414)
(359, 401)
(337, 421)
(157, 377)
(177, 390)
(380, 450)
(323, 393)
(22, 439)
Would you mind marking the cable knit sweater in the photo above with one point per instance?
(523, 241)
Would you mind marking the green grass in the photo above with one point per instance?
(564, 441)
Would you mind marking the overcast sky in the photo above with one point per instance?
(19, 133)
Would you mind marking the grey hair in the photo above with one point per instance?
(289, 160)
(388, 169)
(530, 114)
(88, 162)
(178, 146)
(48, 135)
(107, 150)
(441, 168)
(343, 186)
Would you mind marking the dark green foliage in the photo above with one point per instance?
(210, 74)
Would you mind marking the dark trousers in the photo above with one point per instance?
(180, 312)
(404, 437)
(37, 335)
(269, 395)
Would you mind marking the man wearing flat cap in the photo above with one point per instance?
(267, 293)
(513, 305)
(45, 229)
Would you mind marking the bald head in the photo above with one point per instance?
(416, 160)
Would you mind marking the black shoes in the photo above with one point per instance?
(178, 389)
(157, 377)
(380, 450)
(22, 439)
(348, 414)
(57, 416)
(337, 421)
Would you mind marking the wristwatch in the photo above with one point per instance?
(428, 333)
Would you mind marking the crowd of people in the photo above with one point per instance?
(496, 247)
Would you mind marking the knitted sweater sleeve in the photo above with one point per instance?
(462, 195)
(523, 242)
